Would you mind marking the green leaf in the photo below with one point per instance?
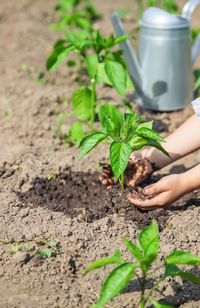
(77, 132)
(101, 76)
(52, 242)
(157, 145)
(119, 157)
(157, 305)
(117, 74)
(197, 84)
(71, 37)
(110, 41)
(121, 39)
(92, 64)
(116, 282)
(61, 120)
(57, 56)
(47, 252)
(83, 35)
(130, 123)
(129, 83)
(59, 44)
(149, 242)
(98, 41)
(84, 45)
(137, 143)
(83, 23)
(71, 63)
(181, 257)
(148, 124)
(15, 248)
(40, 253)
(114, 113)
(173, 270)
(91, 141)
(82, 103)
(111, 127)
(133, 249)
(116, 258)
(149, 133)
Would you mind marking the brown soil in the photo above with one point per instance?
(73, 193)
(85, 218)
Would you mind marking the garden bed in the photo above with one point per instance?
(46, 191)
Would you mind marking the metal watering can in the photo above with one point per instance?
(162, 72)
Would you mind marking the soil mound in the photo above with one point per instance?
(75, 193)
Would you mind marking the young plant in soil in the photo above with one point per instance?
(145, 254)
(103, 66)
(75, 13)
(125, 133)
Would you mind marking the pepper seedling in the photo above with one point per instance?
(103, 66)
(145, 254)
(126, 134)
(75, 13)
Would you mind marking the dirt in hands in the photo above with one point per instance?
(75, 193)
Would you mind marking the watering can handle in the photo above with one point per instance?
(187, 13)
(189, 8)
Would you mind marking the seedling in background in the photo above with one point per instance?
(75, 13)
(197, 83)
(45, 253)
(107, 62)
(126, 134)
(123, 12)
(103, 66)
(145, 254)
(8, 112)
(25, 68)
(41, 79)
(52, 175)
(5, 240)
(15, 248)
(50, 250)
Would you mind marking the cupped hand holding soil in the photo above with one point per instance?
(137, 171)
(167, 190)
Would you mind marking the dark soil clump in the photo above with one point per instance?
(75, 193)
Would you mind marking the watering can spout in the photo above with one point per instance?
(130, 57)
(187, 13)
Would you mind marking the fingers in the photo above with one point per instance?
(156, 201)
(154, 196)
(138, 172)
(155, 188)
(106, 178)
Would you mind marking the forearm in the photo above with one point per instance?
(191, 179)
(185, 140)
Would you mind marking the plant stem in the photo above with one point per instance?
(155, 286)
(142, 302)
(156, 269)
(93, 103)
(80, 71)
(121, 180)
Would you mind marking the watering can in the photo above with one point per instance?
(162, 71)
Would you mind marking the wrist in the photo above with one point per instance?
(157, 159)
(191, 178)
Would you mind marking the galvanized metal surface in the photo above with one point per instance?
(162, 71)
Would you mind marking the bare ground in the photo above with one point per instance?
(86, 223)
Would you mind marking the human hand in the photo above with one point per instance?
(137, 171)
(160, 194)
